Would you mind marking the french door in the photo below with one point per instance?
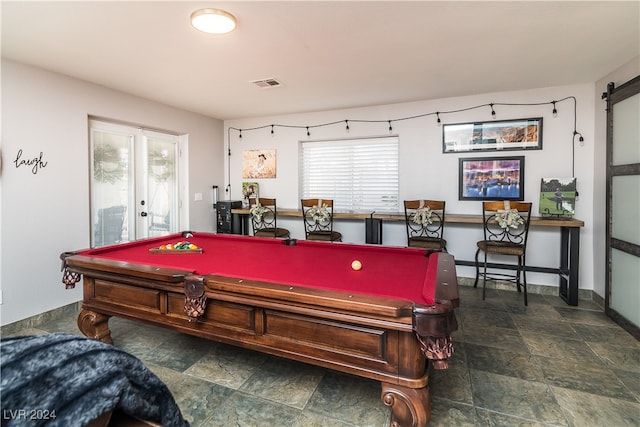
(134, 183)
(622, 287)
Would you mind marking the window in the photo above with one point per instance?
(358, 174)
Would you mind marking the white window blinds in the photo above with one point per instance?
(358, 174)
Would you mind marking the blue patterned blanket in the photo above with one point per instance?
(67, 380)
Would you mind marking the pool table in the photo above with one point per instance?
(297, 299)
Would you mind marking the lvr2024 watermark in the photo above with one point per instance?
(28, 414)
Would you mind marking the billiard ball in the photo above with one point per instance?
(356, 265)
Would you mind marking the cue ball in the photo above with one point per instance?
(356, 265)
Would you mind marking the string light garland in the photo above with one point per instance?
(437, 114)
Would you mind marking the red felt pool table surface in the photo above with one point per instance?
(398, 273)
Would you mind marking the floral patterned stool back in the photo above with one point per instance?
(505, 227)
(425, 224)
(264, 217)
(317, 215)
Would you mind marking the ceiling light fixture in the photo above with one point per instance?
(213, 21)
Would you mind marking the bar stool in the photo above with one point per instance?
(505, 227)
(317, 215)
(425, 224)
(263, 214)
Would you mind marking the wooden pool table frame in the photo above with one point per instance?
(378, 338)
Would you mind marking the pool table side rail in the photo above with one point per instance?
(447, 280)
(91, 264)
(328, 299)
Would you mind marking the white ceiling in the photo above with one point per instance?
(328, 54)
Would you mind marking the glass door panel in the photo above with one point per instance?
(625, 292)
(625, 198)
(161, 185)
(626, 131)
(111, 190)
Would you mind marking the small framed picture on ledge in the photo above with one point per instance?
(558, 196)
(249, 191)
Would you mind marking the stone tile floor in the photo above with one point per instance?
(548, 364)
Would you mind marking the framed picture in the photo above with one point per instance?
(558, 196)
(491, 178)
(520, 134)
(259, 164)
(249, 191)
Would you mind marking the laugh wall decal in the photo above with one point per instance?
(36, 163)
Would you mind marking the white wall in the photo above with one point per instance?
(425, 172)
(47, 213)
(618, 77)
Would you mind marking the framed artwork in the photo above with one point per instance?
(520, 134)
(258, 164)
(491, 178)
(249, 191)
(557, 196)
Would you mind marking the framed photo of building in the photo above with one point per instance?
(491, 178)
(520, 134)
(558, 196)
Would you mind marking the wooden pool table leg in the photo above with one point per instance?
(410, 407)
(95, 325)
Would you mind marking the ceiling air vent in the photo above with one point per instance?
(267, 83)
